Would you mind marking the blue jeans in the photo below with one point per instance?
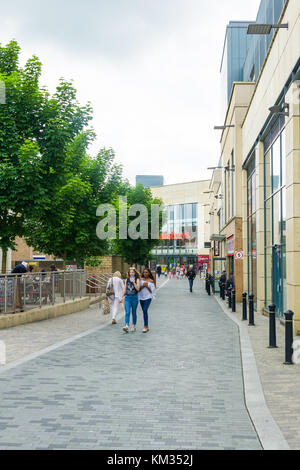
(191, 281)
(145, 304)
(130, 303)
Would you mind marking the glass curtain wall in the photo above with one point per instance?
(275, 217)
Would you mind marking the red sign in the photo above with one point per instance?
(175, 236)
(230, 246)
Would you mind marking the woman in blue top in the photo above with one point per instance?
(130, 294)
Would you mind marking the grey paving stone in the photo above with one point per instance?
(178, 387)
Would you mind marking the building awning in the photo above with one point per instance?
(218, 237)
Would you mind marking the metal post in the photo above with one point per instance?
(272, 326)
(5, 294)
(245, 306)
(64, 278)
(251, 310)
(24, 292)
(289, 337)
(233, 300)
(208, 286)
(229, 297)
(53, 288)
(220, 285)
(223, 290)
(40, 290)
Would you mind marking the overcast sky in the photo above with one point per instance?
(149, 67)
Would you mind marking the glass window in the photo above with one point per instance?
(277, 222)
(276, 170)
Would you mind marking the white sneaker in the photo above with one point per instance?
(133, 329)
(125, 328)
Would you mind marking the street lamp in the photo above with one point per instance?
(281, 109)
(256, 28)
(222, 128)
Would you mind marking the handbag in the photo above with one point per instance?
(110, 292)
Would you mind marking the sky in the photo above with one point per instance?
(150, 68)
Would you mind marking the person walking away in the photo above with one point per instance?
(20, 269)
(146, 294)
(158, 270)
(191, 275)
(130, 298)
(114, 291)
(181, 273)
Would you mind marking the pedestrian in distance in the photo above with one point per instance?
(191, 275)
(146, 294)
(158, 270)
(130, 298)
(114, 292)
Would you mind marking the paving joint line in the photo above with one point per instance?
(267, 429)
(53, 347)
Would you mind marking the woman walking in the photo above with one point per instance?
(130, 294)
(114, 291)
(146, 294)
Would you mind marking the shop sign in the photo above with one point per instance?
(230, 246)
(216, 249)
(175, 236)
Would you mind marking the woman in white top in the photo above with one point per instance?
(146, 294)
(114, 299)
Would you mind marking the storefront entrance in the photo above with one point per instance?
(219, 265)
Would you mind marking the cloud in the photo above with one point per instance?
(149, 67)
(114, 28)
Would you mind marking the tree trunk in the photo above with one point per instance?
(4, 261)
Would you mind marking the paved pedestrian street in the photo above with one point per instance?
(178, 387)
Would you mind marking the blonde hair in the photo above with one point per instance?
(117, 274)
(135, 271)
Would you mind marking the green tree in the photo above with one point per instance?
(67, 228)
(35, 133)
(138, 251)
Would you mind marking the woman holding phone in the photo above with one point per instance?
(130, 298)
(146, 294)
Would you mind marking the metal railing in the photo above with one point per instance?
(20, 292)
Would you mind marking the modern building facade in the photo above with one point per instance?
(185, 235)
(260, 178)
(150, 180)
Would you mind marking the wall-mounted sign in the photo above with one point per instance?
(175, 236)
(230, 246)
(239, 255)
(216, 249)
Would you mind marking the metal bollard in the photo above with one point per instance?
(233, 300)
(223, 291)
(245, 317)
(220, 285)
(272, 326)
(289, 337)
(208, 287)
(229, 297)
(251, 310)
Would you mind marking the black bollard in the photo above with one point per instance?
(220, 286)
(289, 337)
(245, 307)
(229, 297)
(251, 310)
(233, 301)
(206, 284)
(223, 290)
(272, 326)
(208, 287)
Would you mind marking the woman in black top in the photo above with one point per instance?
(191, 275)
(130, 298)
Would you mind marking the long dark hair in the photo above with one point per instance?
(150, 273)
